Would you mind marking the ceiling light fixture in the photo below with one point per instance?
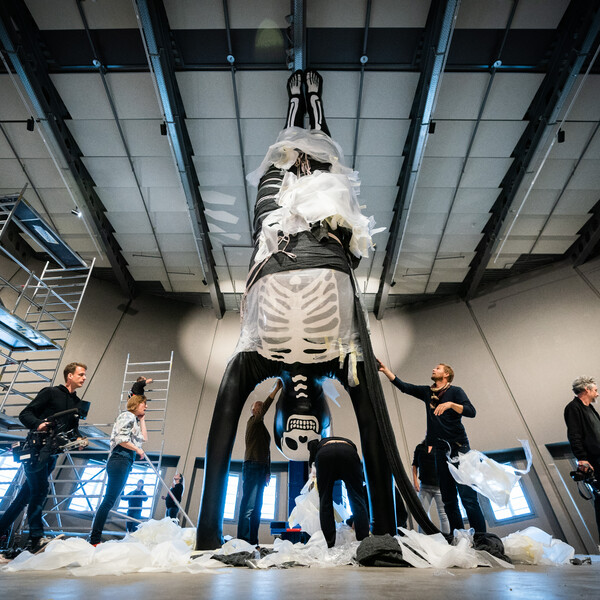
(75, 211)
(30, 124)
(560, 136)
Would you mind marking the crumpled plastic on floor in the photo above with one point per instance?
(427, 551)
(156, 546)
(532, 546)
(305, 513)
(159, 546)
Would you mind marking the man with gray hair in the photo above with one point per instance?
(583, 431)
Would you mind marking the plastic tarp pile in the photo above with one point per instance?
(162, 546)
(532, 546)
(156, 546)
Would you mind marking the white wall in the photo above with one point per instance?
(515, 352)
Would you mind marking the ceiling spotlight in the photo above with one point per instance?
(163, 128)
(560, 136)
(75, 211)
(432, 127)
(205, 282)
(392, 284)
(30, 124)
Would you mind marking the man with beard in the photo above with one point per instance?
(446, 405)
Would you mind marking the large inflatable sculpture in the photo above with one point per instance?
(302, 319)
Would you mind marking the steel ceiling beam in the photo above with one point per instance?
(154, 25)
(587, 245)
(21, 39)
(436, 44)
(577, 38)
(299, 34)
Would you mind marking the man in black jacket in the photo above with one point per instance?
(445, 405)
(583, 431)
(34, 416)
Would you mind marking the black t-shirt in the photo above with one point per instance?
(425, 463)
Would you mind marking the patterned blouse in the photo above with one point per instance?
(126, 429)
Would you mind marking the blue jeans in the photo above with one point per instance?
(32, 494)
(449, 489)
(254, 477)
(118, 468)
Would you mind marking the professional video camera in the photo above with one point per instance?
(40, 445)
(587, 476)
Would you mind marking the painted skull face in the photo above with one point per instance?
(302, 416)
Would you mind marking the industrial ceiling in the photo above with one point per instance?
(473, 125)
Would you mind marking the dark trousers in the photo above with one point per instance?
(32, 494)
(254, 478)
(449, 489)
(118, 468)
(132, 525)
(172, 512)
(339, 461)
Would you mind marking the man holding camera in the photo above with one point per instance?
(36, 416)
(583, 432)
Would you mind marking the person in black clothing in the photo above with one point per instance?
(139, 387)
(177, 491)
(583, 431)
(336, 458)
(446, 405)
(256, 471)
(426, 484)
(49, 401)
(135, 499)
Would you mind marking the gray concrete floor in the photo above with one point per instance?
(530, 582)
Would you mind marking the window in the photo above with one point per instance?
(269, 500)
(231, 495)
(8, 471)
(234, 483)
(87, 494)
(149, 478)
(517, 505)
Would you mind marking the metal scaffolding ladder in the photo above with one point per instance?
(72, 477)
(37, 312)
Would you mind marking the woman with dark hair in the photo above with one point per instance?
(177, 491)
(128, 435)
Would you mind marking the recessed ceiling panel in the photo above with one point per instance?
(26, 144)
(109, 172)
(219, 171)
(460, 96)
(497, 138)
(134, 96)
(207, 94)
(440, 172)
(485, 172)
(97, 137)
(119, 200)
(214, 137)
(83, 95)
(388, 95)
(511, 95)
(382, 137)
(191, 14)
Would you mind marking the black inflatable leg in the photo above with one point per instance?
(242, 375)
(378, 471)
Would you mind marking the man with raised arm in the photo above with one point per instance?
(446, 404)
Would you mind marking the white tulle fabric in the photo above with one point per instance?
(295, 140)
(321, 197)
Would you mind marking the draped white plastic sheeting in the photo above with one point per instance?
(163, 546)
